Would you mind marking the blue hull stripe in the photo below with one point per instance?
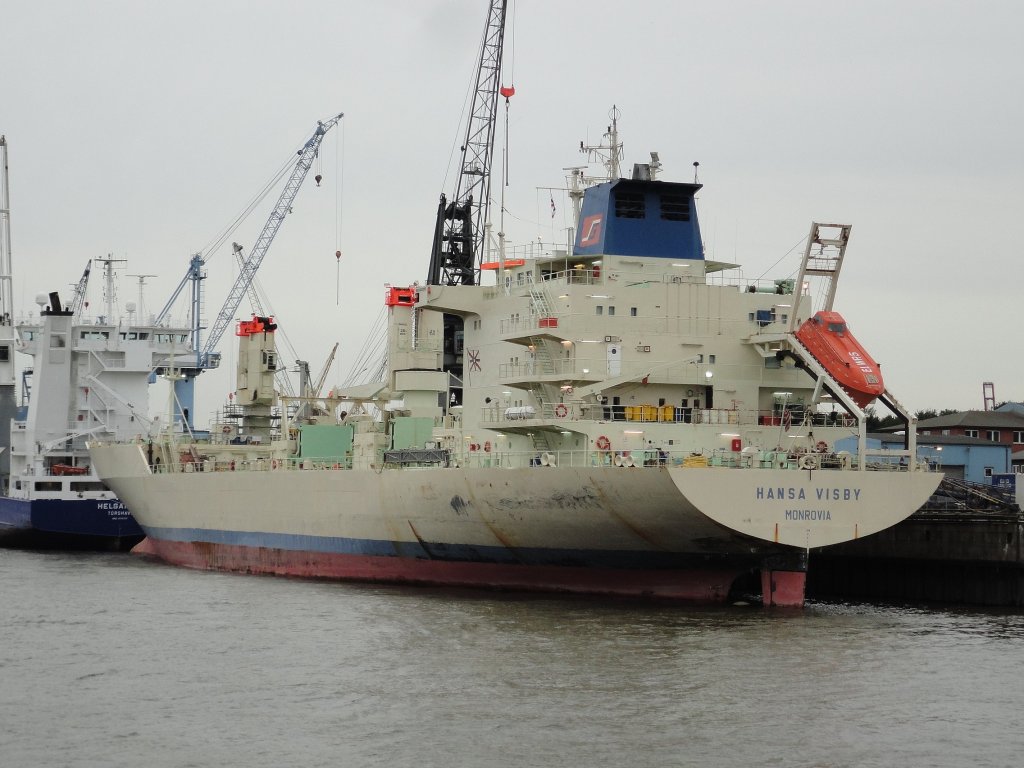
(591, 558)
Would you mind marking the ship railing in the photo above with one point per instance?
(109, 359)
(418, 345)
(189, 463)
(578, 410)
(534, 369)
(481, 456)
(656, 457)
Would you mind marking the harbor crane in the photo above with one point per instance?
(203, 356)
(459, 230)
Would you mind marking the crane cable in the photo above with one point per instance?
(213, 246)
(339, 195)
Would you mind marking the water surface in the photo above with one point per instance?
(111, 660)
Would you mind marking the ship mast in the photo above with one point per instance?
(6, 290)
(7, 334)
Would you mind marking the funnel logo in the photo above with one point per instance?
(590, 232)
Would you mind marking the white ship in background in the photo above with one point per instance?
(88, 378)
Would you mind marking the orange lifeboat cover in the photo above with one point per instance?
(828, 339)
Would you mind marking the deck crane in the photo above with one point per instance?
(456, 254)
(201, 358)
(308, 388)
(459, 231)
(78, 300)
(282, 377)
(322, 377)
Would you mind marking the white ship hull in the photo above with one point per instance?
(663, 531)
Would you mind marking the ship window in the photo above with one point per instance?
(629, 205)
(837, 327)
(711, 358)
(88, 486)
(1018, 437)
(48, 485)
(611, 310)
(58, 341)
(632, 311)
(994, 435)
(599, 309)
(143, 336)
(270, 360)
(5, 353)
(675, 207)
(945, 432)
(988, 471)
(971, 432)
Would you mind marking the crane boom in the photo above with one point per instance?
(248, 270)
(459, 231)
(319, 383)
(78, 300)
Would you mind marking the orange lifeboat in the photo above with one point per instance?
(67, 469)
(830, 342)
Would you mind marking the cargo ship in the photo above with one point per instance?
(89, 378)
(625, 417)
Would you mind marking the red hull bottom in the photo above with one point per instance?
(783, 588)
(690, 585)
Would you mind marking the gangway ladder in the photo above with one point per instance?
(540, 302)
(823, 257)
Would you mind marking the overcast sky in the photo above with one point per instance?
(141, 129)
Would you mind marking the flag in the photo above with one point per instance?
(552, 207)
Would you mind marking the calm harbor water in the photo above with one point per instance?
(110, 660)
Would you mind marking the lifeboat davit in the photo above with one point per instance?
(830, 342)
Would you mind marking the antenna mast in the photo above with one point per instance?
(6, 289)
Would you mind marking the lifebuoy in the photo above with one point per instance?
(487, 446)
(561, 411)
(808, 461)
(603, 443)
(821, 446)
(226, 429)
(568, 390)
